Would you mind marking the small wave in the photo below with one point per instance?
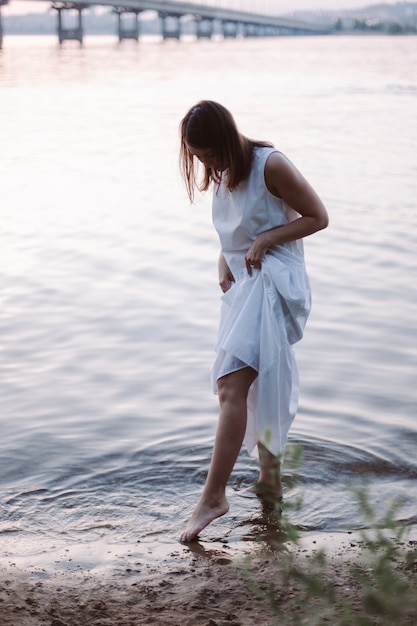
(87, 529)
(9, 531)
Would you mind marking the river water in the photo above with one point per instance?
(109, 296)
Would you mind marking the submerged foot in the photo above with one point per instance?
(204, 513)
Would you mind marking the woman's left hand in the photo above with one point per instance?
(256, 253)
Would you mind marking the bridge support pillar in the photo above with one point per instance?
(229, 29)
(1, 23)
(204, 28)
(124, 31)
(251, 30)
(171, 26)
(75, 33)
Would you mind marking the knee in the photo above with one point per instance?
(234, 387)
(227, 392)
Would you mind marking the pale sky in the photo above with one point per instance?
(276, 6)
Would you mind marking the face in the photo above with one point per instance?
(206, 156)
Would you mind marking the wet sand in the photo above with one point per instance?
(208, 584)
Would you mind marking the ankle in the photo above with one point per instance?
(271, 478)
(213, 498)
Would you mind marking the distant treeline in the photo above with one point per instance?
(375, 26)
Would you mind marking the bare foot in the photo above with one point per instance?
(204, 513)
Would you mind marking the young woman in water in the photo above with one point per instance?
(262, 208)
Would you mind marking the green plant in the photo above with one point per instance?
(306, 588)
(381, 574)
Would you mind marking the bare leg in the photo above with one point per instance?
(270, 474)
(269, 486)
(233, 392)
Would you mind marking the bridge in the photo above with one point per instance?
(213, 16)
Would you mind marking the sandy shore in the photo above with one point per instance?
(208, 584)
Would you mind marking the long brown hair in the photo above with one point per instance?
(209, 125)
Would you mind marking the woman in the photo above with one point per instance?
(262, 208)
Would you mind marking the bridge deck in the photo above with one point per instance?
(196, 10)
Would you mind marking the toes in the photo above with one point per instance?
(188, 537)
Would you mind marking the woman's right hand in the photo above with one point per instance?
(226, 277)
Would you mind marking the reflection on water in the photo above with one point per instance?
(109, 300)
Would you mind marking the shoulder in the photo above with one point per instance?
(277, 161)
(280, 172)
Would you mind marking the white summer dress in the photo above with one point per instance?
(264, 314)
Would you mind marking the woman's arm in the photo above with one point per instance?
(284, 181)
(226, 277)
